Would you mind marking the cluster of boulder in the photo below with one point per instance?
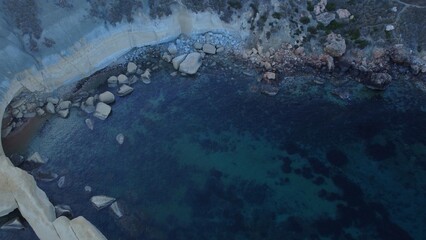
(100, 105)
(190, 63)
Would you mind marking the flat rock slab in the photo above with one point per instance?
(102, 111)
(124, 90)
(101, 201)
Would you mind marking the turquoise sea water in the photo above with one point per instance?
(212, 158)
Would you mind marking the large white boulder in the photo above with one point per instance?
(172, 49)
(191, 64)
(102, 111)
(178, 60)
(122, 79)
(107, 97)
(50, 108)
(131, 67)
(124, 90)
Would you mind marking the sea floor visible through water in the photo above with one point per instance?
(209, 157)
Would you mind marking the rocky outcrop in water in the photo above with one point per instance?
(100, 202)
(191, 63)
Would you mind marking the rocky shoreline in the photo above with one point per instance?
(318, 36)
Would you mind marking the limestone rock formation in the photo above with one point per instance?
(335, 45)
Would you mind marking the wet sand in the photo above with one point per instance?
(18, 141)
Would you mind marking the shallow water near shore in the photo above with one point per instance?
(212, 158)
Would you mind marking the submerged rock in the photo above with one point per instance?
(63, 113)
(89, 123)
(107, 97)
(269, 90)
(102, 111)
(63, 210)
(61, 182)
(100, 202)
(116, 210)
(191, 64)
(378, 81)
(13, 224)
(87, 189)
(120, 138)
(43, 175)
(36, 158)
(146, 76)
(16, 159)
(124, 90)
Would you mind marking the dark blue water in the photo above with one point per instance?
(212, 158)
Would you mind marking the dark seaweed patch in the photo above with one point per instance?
(381, 152)
(337, 158)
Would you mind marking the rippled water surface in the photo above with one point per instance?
(211, 158)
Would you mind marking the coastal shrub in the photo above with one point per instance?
(277, 15)
(312, 30)
(354, 34)
(236, 4)
(388, 35)
(334, 25)
(304, 20)
(330, 7)
(310, 6)
(362, 43)
(336, 157)
(24, 14)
